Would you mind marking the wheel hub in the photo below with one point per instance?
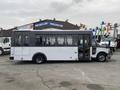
(102, 58)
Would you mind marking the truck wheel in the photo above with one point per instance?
(102, 57)
(1, 51)
(39, 59)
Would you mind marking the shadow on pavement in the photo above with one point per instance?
(56, 62)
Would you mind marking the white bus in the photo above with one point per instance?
(40, 46)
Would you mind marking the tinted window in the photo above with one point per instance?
(26, 40)
(39, 40)
(69, 40)
(52, 40)
(61, 40)
(48, 40)
(18, 40)
(56, 40)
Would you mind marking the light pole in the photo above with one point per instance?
(115, 30)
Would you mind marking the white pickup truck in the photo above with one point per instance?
(107, 41)
(5, 44)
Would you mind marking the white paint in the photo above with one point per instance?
(101, 49)
(112, 43)
(52, 53)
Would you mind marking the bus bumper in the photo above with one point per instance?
(11, 58)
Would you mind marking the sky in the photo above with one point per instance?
(90, 12)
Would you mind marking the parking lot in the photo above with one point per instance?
(60, 75)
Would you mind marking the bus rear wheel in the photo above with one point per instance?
(102, 57)
(39, 59)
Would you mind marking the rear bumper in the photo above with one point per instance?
(11, 58)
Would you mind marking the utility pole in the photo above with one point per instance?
(115, 30)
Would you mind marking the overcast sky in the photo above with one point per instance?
(90, 12)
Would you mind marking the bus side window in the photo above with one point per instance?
(38, 41)
(69, 40)
(60, 40)
(18, 41)
(52, 40)
(47, 41)
(75, 40)
(26, 41)
(43, 40)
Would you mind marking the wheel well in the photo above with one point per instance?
(39, 54)
(102, 53)
(1, 49)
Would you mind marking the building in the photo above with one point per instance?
(49, 24)
(5, 33)
(45, 24)
(42, 25)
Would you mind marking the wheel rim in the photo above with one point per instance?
(39, 60)
(102, 58)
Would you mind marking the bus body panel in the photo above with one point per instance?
(51, 53)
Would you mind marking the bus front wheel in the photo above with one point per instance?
(39, 59)
(102, 57)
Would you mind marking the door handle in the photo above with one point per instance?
(75, 52)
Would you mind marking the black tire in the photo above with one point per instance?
(101, 57)
(1, 51)
(39, 59)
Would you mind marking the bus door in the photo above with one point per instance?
(84, 47)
